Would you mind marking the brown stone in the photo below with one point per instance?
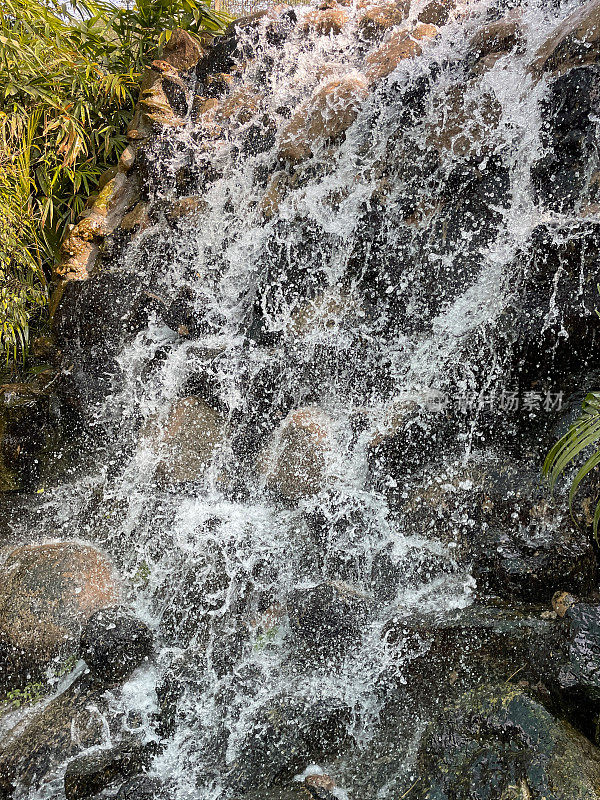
(404, 43)
(137, 219)
(276, 190)
(497, 38)
(80, 248)
(186, 208)
(379, 18)
(562, 601)
(127, 159)
(48, 592)
(191, 435)
(241, 105)
(328, 114)
(437, 12)
(182, 51)
(464, 123)
(295, 462)
(576, 41)
(326, 21)
(321, 782)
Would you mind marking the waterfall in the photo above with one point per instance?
(357, 313)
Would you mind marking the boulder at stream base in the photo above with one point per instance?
(89, 774)
(40, 741)
(284, 736)
(115, 643)
(47, 593)
(497, 742)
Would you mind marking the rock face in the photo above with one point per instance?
(88, 775)
(499, 742)
(47, 593)
(283, 734)
(27, 428)
(402, 44)
(295, 463)
(114, 643)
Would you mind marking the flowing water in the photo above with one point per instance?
(379, 289)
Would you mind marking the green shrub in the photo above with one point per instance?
(68, 86)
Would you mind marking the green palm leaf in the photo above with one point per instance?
(582, 434)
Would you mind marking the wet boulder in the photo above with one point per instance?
(329, 17)
(89, 774)
(580, 675)
(114, 643)
(437, 12)
(530, 550)
(327, 619)
(285, 735)
(377, 18)
(574, 42)
(443, 654)
(47, 594)
(497, 741)
(327, 115)
(569, 137)
(46, 738)
(189, 438)
(406, 42)
(295, 462)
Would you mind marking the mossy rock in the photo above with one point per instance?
(498, 743)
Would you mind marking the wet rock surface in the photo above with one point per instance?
(499, 741)
(48, 592)
(114, 643)
(88, 775)
(60, 730)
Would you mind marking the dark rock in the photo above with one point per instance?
(70, 724)
(94, 319)
(570, 138)
(114, 643)
(91, 773)
(327, 619)
(499, 742)
(443, 655)
(29, 426)
(142, 787)
(287, 734)
(500, 523)
(580, 674)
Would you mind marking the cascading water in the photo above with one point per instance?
(365, 297)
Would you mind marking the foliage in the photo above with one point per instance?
(582, 434)
(31, 693)
(68, 81)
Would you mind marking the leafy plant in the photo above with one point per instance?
(69, 77)
(582, 434)
(31, 693)
(142, 575)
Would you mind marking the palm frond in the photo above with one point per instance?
(582, 434)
